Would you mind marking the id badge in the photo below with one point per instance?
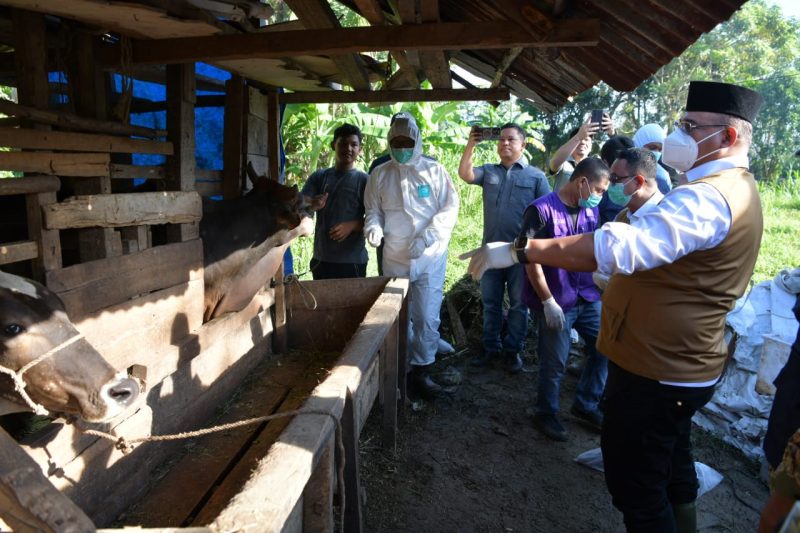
(424, 191)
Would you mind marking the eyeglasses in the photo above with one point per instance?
(689, 125)
(614, 179)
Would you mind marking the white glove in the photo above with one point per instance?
(490, 255)
(553, 314)
(600, 279)
(374, 236)
(416, 248)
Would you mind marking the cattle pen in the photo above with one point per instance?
(121, 119)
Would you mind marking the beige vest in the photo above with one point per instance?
(667, 323)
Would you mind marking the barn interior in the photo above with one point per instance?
(105, 94)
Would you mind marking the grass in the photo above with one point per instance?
(780, 247)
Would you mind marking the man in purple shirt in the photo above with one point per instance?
(564, 300)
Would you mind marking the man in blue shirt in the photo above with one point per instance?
(336, 194)
(508, 188)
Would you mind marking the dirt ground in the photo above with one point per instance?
(472, 461)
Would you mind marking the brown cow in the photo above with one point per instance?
(244, 241)
(74, 379)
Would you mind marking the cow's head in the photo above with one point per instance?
(75, 379)
(285, 203)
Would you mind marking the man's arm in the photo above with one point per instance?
(561, 155)
(465, 168)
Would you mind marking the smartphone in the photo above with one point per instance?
(489, 134)
(597, 116)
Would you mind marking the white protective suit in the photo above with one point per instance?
(406, 201)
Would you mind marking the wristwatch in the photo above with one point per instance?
(519, 245)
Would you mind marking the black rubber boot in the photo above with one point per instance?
(685, 517)
(420, 384)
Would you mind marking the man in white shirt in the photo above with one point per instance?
(686, 261)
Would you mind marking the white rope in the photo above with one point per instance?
(19, 383)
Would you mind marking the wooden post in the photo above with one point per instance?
(33, 90)
(280, 340)
(402, 353)
(181, 167)
(88, 90)
(233, 135)
(389, 382)
(353, 517)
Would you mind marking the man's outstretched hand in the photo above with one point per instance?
(490, 255)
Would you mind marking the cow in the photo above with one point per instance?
(244, 240)
(71, 377)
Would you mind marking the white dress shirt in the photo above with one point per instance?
(686, 220)
(634, 216)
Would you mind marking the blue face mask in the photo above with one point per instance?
(592, 201)
(402, 155)
(617, 195)
(657, 155)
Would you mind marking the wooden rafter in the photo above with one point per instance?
(451, 35)
(505, 64)
(435, 64)
(317, 14)
(389, 97)
(372, 11)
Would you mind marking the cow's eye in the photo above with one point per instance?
(13, 330)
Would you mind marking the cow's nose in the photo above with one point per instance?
(125, 392)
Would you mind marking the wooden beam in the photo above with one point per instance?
(435, 64)
(69, 121)
(280, 341)
(118, 210)
(233, 137)
(29, 185)
(30, 56)
(14, 252)
(448, 35)
(79, 142)
(388, 97)
(28, 501)
(137, 171)
(317, 14)
(85, 164)
(150, 106)
(505, 64)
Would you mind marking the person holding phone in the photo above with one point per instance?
(577, 148)
(508, 187)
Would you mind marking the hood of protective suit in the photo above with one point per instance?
(404, 125)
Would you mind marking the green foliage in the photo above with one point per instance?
(780, 202)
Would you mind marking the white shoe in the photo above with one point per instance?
(444, 348)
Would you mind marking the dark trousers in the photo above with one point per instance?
(647, 452)
(327, 270)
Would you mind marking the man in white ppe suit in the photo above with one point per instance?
(412, 205)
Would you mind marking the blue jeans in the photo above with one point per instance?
(553, 352)
(493, 286)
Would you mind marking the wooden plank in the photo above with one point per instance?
(88, 287)
(233, 137)
(318, 494)
(209, 188)
(70, 121)
(14, 252)
(29, 185)
(119, 171)
(135, 239)
(49, 241)
(85, 164)
(181, 165)
(398, 95)
(505, 64)
(79, 142)
(87, 84)
(28, 501)
(435, 64)
(117, 210)
(439, 36)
